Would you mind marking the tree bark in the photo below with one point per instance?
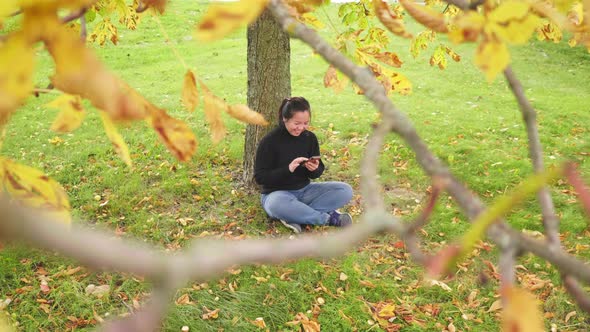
(269, 82)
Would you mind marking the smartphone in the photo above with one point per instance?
(312, 158)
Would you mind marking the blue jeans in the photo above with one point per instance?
(308, 205)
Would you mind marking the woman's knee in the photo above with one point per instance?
(344, 190)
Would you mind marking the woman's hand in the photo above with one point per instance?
(295, 163)
(312, 164)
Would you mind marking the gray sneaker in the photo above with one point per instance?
(338, 219)
(296, 228)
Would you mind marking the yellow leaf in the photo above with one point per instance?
(390, 20)
(549, 31)
(4, 322)
(438, 58)
(311, 20)
(387, 311)
(389, 58)
(259, 322)
(30, 187)
(521, 311)
(245, 114)
(512, 22)
(52, 4)
(211, 314)
(116, 139)
(564, 5)
(71, 113)
(190, 94)
(420, 42)
(492, 57)
(16, 74)
(467, 27)
(427, 17)
(223, 18)
(213, 108)
(7, 7)
(80, 72)
(175, 134)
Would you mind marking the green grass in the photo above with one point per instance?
(472, 125)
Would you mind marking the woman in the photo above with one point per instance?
(284, 168)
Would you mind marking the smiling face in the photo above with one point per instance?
(298, 123)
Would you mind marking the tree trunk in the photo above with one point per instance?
(269, 82)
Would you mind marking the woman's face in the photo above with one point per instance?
(298, 123)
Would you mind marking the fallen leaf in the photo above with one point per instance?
(569, 315)
(213, 314)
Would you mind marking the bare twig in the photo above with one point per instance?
(74, 16)
(437, 187)
(577, 292)
(580, 187)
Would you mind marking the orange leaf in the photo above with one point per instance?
(245, 114)
(190, 94)
(389, 58)
(116, 139)
(223, 18)
(426, 16)
(30, 187)
(71, 113)
(521, 311)
(392, 22)
(213, 108)
(175, 134)
(331, 80)
(80, 72)
(259, 322)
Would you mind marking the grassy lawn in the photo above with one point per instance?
(473, 125)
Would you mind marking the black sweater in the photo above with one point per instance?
(276, 151)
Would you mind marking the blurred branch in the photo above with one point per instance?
(83, 28)
(74, 16)
(507, 265)
(550, 220)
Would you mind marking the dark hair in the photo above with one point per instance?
(291, 105)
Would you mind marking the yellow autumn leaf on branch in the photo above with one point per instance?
(520, 311)
(80, 72)
(7, 7)
(513, 22)
(245, 114)
(175, 134)
(213, 109)
(549, 31)
(427, 17)
(31, 188)
(116, 139)
(54, 4)
(492, 57)
(390, 20)
(223, 18)
(71, 113)
(16, 74)
(190, 94)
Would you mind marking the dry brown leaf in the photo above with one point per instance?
(175, 134)
(245, 114)
(426, 16)
(569, 315)
(213, 108)
(211, 314)
(391, 21)
(495, 306)
(190, 94)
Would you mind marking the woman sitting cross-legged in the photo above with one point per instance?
(286, 159)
